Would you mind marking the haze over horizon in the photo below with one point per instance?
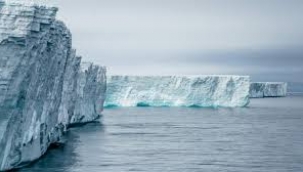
(263, 39)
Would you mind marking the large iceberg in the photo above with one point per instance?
(189, 91)
(83, 92)
(3, 123)
(42, 82)
(91, 88)
(268, 89)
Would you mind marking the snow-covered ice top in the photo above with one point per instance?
(30, 2)
(201, 91)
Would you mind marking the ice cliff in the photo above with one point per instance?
(268, 89)
(83, 92)
(90, 89)
(200, 91)
(43, 84)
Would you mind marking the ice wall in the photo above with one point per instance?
(69, 90)
(40, 76)
(200, 91)
(91, 88)
(3, 123)
(268, 89)
(84, 90)
(34, 50)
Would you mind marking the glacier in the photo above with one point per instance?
(188, 91)
(3, 123)
(43, 83)
(83, 92)
(91, 89)
(268, 89)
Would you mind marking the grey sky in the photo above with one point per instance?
(262, 38)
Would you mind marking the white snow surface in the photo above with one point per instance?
(30, 2)
(189, 91)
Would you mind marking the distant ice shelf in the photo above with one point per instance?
(187, 91)
(268, 89)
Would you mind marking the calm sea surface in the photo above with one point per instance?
(265, 137)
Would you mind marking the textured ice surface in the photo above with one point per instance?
(3, 124)
(200, 91)
(69, 90)
(30, 2)
(39, 82)
(84, 90)
(268, 89)
(90, 93)
(34, 50)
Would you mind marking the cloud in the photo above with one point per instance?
(189, 36)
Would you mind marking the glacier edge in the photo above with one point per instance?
(189, 91)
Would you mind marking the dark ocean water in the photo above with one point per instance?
(265, 137)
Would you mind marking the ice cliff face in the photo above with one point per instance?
(201, 91)
(268, 89)
(3, 123)
(41, 82)
(83, 92)
(34, 51)
(91, 88)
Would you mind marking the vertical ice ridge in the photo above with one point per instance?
(36, 72)
(18, 21)
(90, 93)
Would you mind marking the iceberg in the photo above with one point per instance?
(189, 91)
(3, 123)
(83, 92)
(43, 84)
(91, 89)
(268, 89)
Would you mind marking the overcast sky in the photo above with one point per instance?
(261, 38)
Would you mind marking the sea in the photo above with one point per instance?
(266, 136)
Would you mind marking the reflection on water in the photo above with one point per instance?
(265, 137)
